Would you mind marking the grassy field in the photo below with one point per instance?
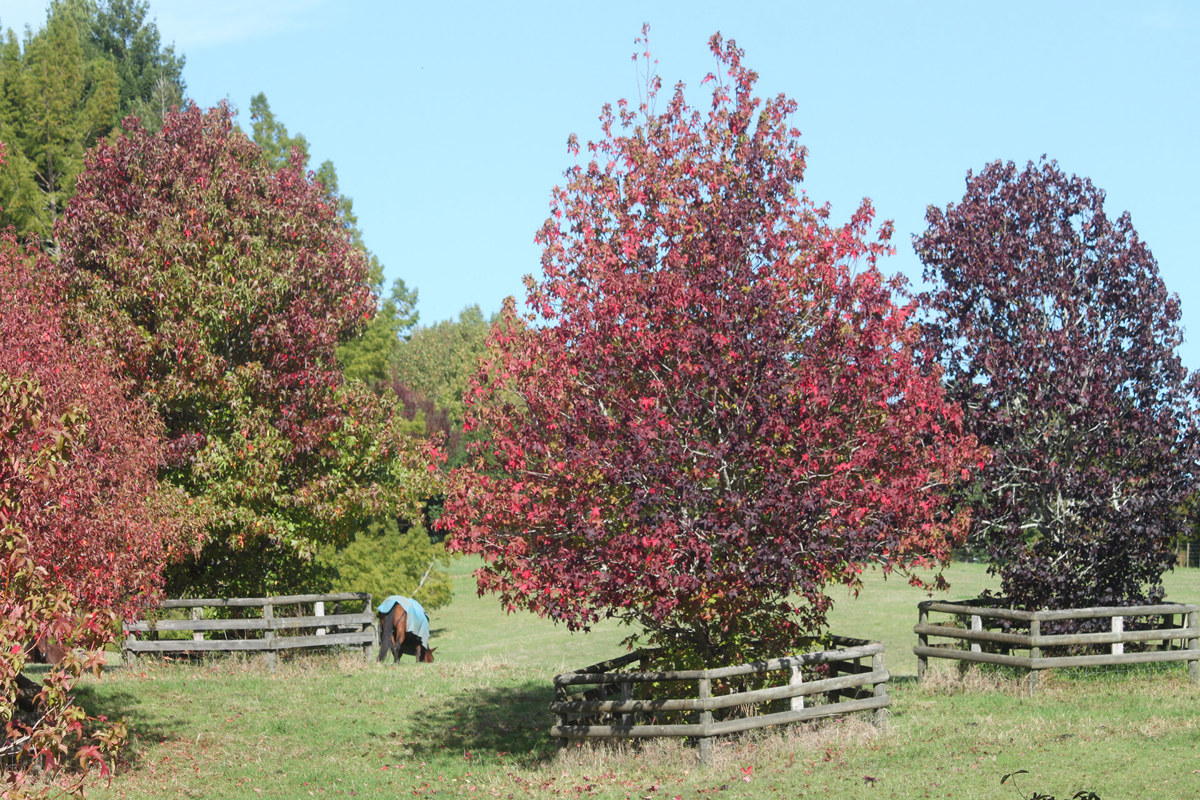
(475, 723)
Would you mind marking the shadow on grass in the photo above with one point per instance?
(508, 723)
(145, 727)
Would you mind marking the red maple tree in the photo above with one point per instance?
(714, 410)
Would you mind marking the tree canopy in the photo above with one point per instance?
(1059, 340)
(225, 288)
(714, 407)
(432, 370)
(95, 519)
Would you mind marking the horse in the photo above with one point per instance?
(397, 637)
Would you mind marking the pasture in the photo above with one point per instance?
(474, 724)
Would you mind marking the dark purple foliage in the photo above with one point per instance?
(1059, 340)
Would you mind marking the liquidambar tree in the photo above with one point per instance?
(713, 407)
(1059, 339)
(224, 287)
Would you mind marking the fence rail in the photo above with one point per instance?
(258, 633)
(610, 704)
(987, 634)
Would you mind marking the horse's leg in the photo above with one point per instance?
(385, 635)
(399, 629)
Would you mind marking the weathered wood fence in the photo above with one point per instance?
(609, 704)
(983, 633)
(269, 631)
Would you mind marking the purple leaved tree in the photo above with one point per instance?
(1059, 339)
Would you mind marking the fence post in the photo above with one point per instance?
(319, 611)
(976, 625)
(922, 639)
(560, 696)
(269, 633)
(368, 607)
(880, 691)
(797, 679)
(1118, 627)
(1193, 620)
(1035, 653)
(128, 654)
(197, 615)
(626, 696)
(705, 744)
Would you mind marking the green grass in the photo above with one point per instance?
(475, 723)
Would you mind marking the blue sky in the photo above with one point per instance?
(448, 122)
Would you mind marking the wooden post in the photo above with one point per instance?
(319, 611)
(1035, 652)
(922, 640)
(197, 615)
(1118, 627)
(128, 654)
(269, 634)
(705, 744)
(976, 625)
(797, 679)
(1193, 619)
(368, 607)
(880, 691)
(560, 696)
(626, 696)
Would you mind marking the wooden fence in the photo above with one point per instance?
(609, 704)
(983, 633)
(270, 631)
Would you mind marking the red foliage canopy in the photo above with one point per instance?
(94, 516)
(716, 406)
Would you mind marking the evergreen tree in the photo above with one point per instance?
(58, 103)
(384, 560)
(150, 75)
(67, 87)
(432, 371)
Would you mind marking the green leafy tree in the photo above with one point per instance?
(272, 136)
(225, 287)
(372, 357)
(386, 559)
(439, 360)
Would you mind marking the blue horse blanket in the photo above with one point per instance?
(418, 620)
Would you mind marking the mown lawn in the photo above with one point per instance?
(474, 724)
